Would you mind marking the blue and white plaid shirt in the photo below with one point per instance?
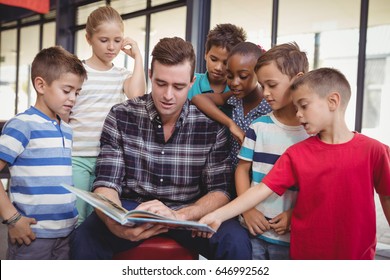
(136, 161)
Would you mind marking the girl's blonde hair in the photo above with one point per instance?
(101, 15)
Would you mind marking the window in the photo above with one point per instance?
(8, 74)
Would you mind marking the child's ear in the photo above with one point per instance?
(334, 100)
(39, 85)
(296, 76)
(87, 38)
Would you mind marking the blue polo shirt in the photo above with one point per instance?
(202, 85)
(38, 152)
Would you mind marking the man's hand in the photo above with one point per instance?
(137, 233)
(21, 232)
(159, 208)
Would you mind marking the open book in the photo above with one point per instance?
(133, 217)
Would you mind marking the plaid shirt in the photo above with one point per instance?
(136, 161)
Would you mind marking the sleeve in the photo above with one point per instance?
(382, 172)
(217, 173)
(281, 177)
(110, 167)
(14, 139)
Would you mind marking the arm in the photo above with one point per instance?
(135, 85)
(385, 202)
(254, 219)
(203, 206)
(20, 231)
(242, 176)
(242, 203)
(208, 103)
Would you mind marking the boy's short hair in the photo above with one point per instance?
(173, 51)
(323, 81)
(247, 48)
(289, 59)
(226, 36)
(51, 63)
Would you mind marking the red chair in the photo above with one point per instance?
(157, 248)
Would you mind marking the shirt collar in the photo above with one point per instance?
(263, 108)
(204, 83)
(154, 116)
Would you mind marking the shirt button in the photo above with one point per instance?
(162, 152)
(55, 123)
(159, 126)
(161, 180)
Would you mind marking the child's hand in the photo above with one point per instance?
(281, 223)
(130, 47)
(237, 133)
(211, 220)
(255, 221)
(21, 231)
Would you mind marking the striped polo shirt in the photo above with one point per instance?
(101, 91)
(38, 152)
(265, 140)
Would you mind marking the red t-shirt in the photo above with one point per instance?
(334, 216)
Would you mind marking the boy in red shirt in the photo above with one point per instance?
(336, 172)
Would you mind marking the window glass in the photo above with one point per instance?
(7, 74)
(377, 73)
(254, 17)
(29, 47)
(135, 29)
(160, 2)
(330, 38)
(125, 7)
(84, 11)
(49, 34)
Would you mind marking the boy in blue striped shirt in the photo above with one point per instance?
(266, 139)
(36, 145)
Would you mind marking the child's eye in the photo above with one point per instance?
(243, 77)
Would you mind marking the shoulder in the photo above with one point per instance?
(121, 70)
(200, 85)
(265, 119)
(362, 140)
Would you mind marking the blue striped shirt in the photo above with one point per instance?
(38, 152)
(265, 140)
(137, 162)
